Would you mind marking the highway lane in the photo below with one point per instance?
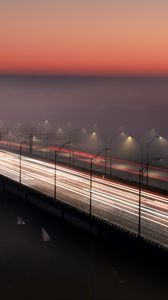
(115, 202)
(158, 176)
(118, 167)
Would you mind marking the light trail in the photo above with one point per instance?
(124, 167)
(115, 202)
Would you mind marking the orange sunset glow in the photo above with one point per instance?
(109, 37)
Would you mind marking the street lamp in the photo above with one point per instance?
(112, 139)
(147, 167)
(105, 162)
(147, 152)
(91, 176)
(93, 133)
(116, 135)
(72, 157)
(130, 138)
(46, 152)
(55, 174)
(141, 174)
(20, 160)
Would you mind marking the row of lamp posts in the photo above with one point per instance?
(141, 174)
(106, 149)
(55, 163)
(93, 160)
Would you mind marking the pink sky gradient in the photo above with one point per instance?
(84, 37)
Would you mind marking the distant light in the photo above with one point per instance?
(93, 133)
(153, 130)
(68, 124)
(130, 138)
(160, 138)
(83, 130)
(60, 130)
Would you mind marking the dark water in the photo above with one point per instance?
(138, 104)
(73, 264)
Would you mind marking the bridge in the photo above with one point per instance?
(109, 200)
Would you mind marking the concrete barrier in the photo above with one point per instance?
(70, 214)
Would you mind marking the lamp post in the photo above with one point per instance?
(140, 143)
(91, 177)
(147, 153)
(141, 174)
(110, 161)
(105, 162)
(55, 169)
(147, 167)
(73, 159)
(20, 161)
(46, 152)
(112, 139)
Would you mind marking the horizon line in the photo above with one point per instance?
(98, 75)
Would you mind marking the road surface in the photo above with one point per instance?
(115, 202)
(120, 168)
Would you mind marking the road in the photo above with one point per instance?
(120, 168)
(115, 202)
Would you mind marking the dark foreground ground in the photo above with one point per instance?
(72, 264)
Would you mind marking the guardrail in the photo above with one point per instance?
(90, 223)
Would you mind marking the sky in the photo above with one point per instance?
(84, 37)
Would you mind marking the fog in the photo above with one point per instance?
(137, 104)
